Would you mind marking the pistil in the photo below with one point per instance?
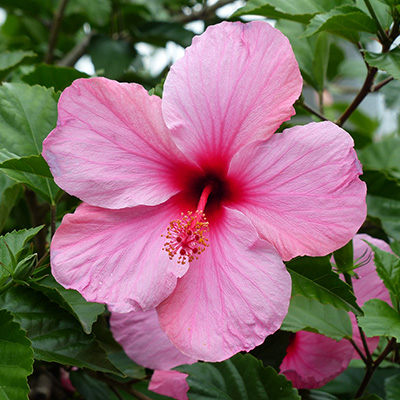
(185, 237)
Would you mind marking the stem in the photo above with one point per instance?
(380, 85)
(366, 88)
(312, 111)
(359, 352)
(7, 286)
(53, 212)
(205, 13)
(381, 33)
(55, 29)
(372, 367)
(77, 51)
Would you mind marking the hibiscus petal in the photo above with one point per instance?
(115, 256)
(313, 359)
(170, 383)
(231, 298)
(236, 83)
(301, 189)
(111, 147)
(141, 337)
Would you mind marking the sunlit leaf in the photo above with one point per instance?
(27, 115)
(380, 319)
(312, 277)
(308, 314)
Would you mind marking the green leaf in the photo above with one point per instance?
(90, 388)
(27, 115)
(98, 12)
(380, 319)
(381, 183)
(114, 351)
(302, 48)
(299, 10)
(71, 300)
(317, 395)
(312, 277)
(11, 59)
(344, 257)
(16, 361)
(53, 76)
(14, 242)
(308, 314)
(388, 269)
(388, 62)
(32, 171)
(242, 377)
(388, 211)
(273, 350)
(111, 57)
(9, 193)
(159, 33)
(382, 155)
(320, 60)
(346, 22)
(392, 387)
(55, 334)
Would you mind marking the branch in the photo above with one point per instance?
(366, 88)
(380, 85)
(77, 51)
(205, 13)
(55, 29)
(312, 110)
(371, 368)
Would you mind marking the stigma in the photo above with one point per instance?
(185, 237)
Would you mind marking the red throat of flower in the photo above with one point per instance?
(185, 236)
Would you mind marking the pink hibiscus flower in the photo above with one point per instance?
(190, 203)
(312, 359)
(141, 337)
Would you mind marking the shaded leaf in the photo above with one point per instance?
(111, 57)
(71, 300)
(16, 361)
(273, 350)
(242, 377)
(380, 319)
(9, 193)
(392, 387)
(90, 388)
(56, 336)
(53, 76)
(388, 211)
(308, 314)
(312, 277)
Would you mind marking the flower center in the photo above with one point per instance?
(185, 237)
